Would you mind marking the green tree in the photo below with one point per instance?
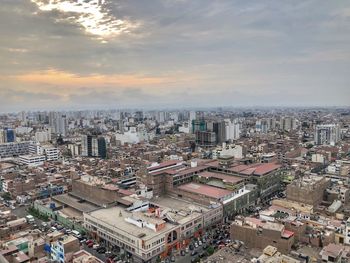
(210, 250)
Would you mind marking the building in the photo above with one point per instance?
(93, 146)
(51, 153)
(271, 255)
(228, 150)
(333, 253)
(43, 136)
(32, 160)
(14, 149)
(63, 249)
(9, 135)
(205, 138)
(144, 236)
(83, 256)
(151, 232)
(308, 190)
(327, 134)
(256, 233)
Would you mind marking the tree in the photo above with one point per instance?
(210, 250)
(6, 196)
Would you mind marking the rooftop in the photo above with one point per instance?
(115, 217)
(226, 178)
(205, 190)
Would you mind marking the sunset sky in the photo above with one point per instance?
(89, 54)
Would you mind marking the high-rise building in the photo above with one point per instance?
(288, 124)
(327, 134)
(9, 135)
(61, 125)
(43, 136)
(93, 146)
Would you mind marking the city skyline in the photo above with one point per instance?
(99, 54)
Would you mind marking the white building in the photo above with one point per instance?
(229, 150)
(43, 136)
(32, 159)
(232, 130)
(51, 153)
(318, 158)
(327, 134)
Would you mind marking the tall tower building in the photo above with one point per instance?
(327, 134)
(93, 146)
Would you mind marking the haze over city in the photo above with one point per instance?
(103, 54)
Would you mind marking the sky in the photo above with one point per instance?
(95, 54)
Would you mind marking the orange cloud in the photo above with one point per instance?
(66, 79)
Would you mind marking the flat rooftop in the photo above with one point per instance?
(226, 178)
(258, 169)
(115, 217)
(205, 190)
(74, 202)
(181, 211)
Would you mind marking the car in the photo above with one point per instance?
(101, 250)
(172, 259)
(90, 245)
(116, 259)
(196, 259)
(182, 253)
(191, 247)
(82, 241)
(187, 250)
(96, 246)
(195, 244)
(200, 243)
(89, 241)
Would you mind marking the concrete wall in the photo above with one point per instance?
(253, 238)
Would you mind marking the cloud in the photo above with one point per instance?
(198, 52)
(93, 15)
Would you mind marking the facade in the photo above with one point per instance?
(14, 149)
(206, 138)
(93, 146)
(63, 246)
(9, 135)
(145, 238)
(256, 233)
(51, 153)
(152, 231)
(327, 134)
(32, 160)
(43, 136)
(308, 190)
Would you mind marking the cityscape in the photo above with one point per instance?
(174, 131)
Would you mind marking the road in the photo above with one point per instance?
(94, 252)
(21, 211)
